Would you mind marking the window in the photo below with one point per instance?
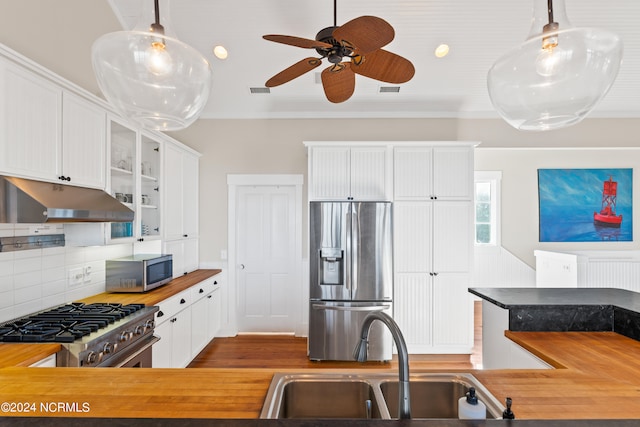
(487, 203)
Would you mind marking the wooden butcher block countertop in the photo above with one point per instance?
(26, 354)
(597, 377)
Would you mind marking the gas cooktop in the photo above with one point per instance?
(66, 323)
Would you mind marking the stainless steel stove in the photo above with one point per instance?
(91, 335)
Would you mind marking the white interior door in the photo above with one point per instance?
(266, 259)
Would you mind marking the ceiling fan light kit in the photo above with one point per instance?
(352, 48)
(150, 76)
(558, 75)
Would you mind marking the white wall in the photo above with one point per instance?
(275, 146)
(519, 192)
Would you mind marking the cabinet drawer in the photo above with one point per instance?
(172, 306)
(201, 290)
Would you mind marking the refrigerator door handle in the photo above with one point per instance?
(354, 226)
(345, 308)
(349, 256)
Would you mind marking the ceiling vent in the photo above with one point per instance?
(259, 90)
(389, 89)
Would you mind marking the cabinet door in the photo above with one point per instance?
(122, 142)
(173, 218)
(412, 173)
(162, 350)
(413, 310)
(84, 142)
(190, 167)
(214, 313)
(412, 300)
(452, 236)
(176, 248)
(200, 325)
(190, 251)
(150, 197)
(368, 175)
(30, 124)
(452, 312)
(453, 173)
(329, 173)
(181, 351)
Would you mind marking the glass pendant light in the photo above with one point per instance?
(150, 76)
(558, 75)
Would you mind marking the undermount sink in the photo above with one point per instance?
(370, 395)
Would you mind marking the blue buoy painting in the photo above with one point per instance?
(585, 205)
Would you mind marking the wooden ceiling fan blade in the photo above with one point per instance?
(384, 66)
(296, 70)
(365, 34)
(338, 82)
(296, 41)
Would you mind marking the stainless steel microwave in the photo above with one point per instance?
(138, 273)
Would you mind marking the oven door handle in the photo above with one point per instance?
(154, 339)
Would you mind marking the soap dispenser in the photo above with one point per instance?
(470, 408)
(508, 413)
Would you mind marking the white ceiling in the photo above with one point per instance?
(478, 32)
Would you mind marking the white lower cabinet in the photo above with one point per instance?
(47, 362)
(186, 323)
(173, 326)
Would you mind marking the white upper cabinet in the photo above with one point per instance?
(83, 142)
(433, 173)
(181, 193)
(30, 123)
(48, 133)
(347, 172)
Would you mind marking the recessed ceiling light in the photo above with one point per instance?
(442, 51)
(220, 52)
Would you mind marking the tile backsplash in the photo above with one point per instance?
(37, 279)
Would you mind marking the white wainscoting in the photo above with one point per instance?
(594, 269)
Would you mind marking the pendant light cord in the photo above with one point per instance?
(549, 10)
(157, 10)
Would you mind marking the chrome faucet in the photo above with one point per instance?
(360, 354)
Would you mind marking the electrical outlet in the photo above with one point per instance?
(87, 274)
(76, 276)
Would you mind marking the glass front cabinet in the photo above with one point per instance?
(135, 160)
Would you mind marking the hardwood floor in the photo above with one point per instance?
(288, 351)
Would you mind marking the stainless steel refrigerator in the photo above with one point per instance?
(351, 275)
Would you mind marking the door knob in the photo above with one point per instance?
(241, 266)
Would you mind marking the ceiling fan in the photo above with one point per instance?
(352, 48)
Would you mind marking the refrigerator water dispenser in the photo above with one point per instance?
(331, 266)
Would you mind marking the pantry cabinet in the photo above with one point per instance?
(180, 213)
(48, 133)
(338, 172)
(433, 246)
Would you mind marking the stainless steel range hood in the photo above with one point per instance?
(29, 201)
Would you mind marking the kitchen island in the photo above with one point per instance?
(596, 376)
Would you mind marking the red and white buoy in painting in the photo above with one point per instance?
(607, 216)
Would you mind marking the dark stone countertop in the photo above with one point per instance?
(514, 297)
(568, 309)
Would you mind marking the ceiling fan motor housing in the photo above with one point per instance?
(337, 52)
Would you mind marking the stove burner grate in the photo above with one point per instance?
(65, 323)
